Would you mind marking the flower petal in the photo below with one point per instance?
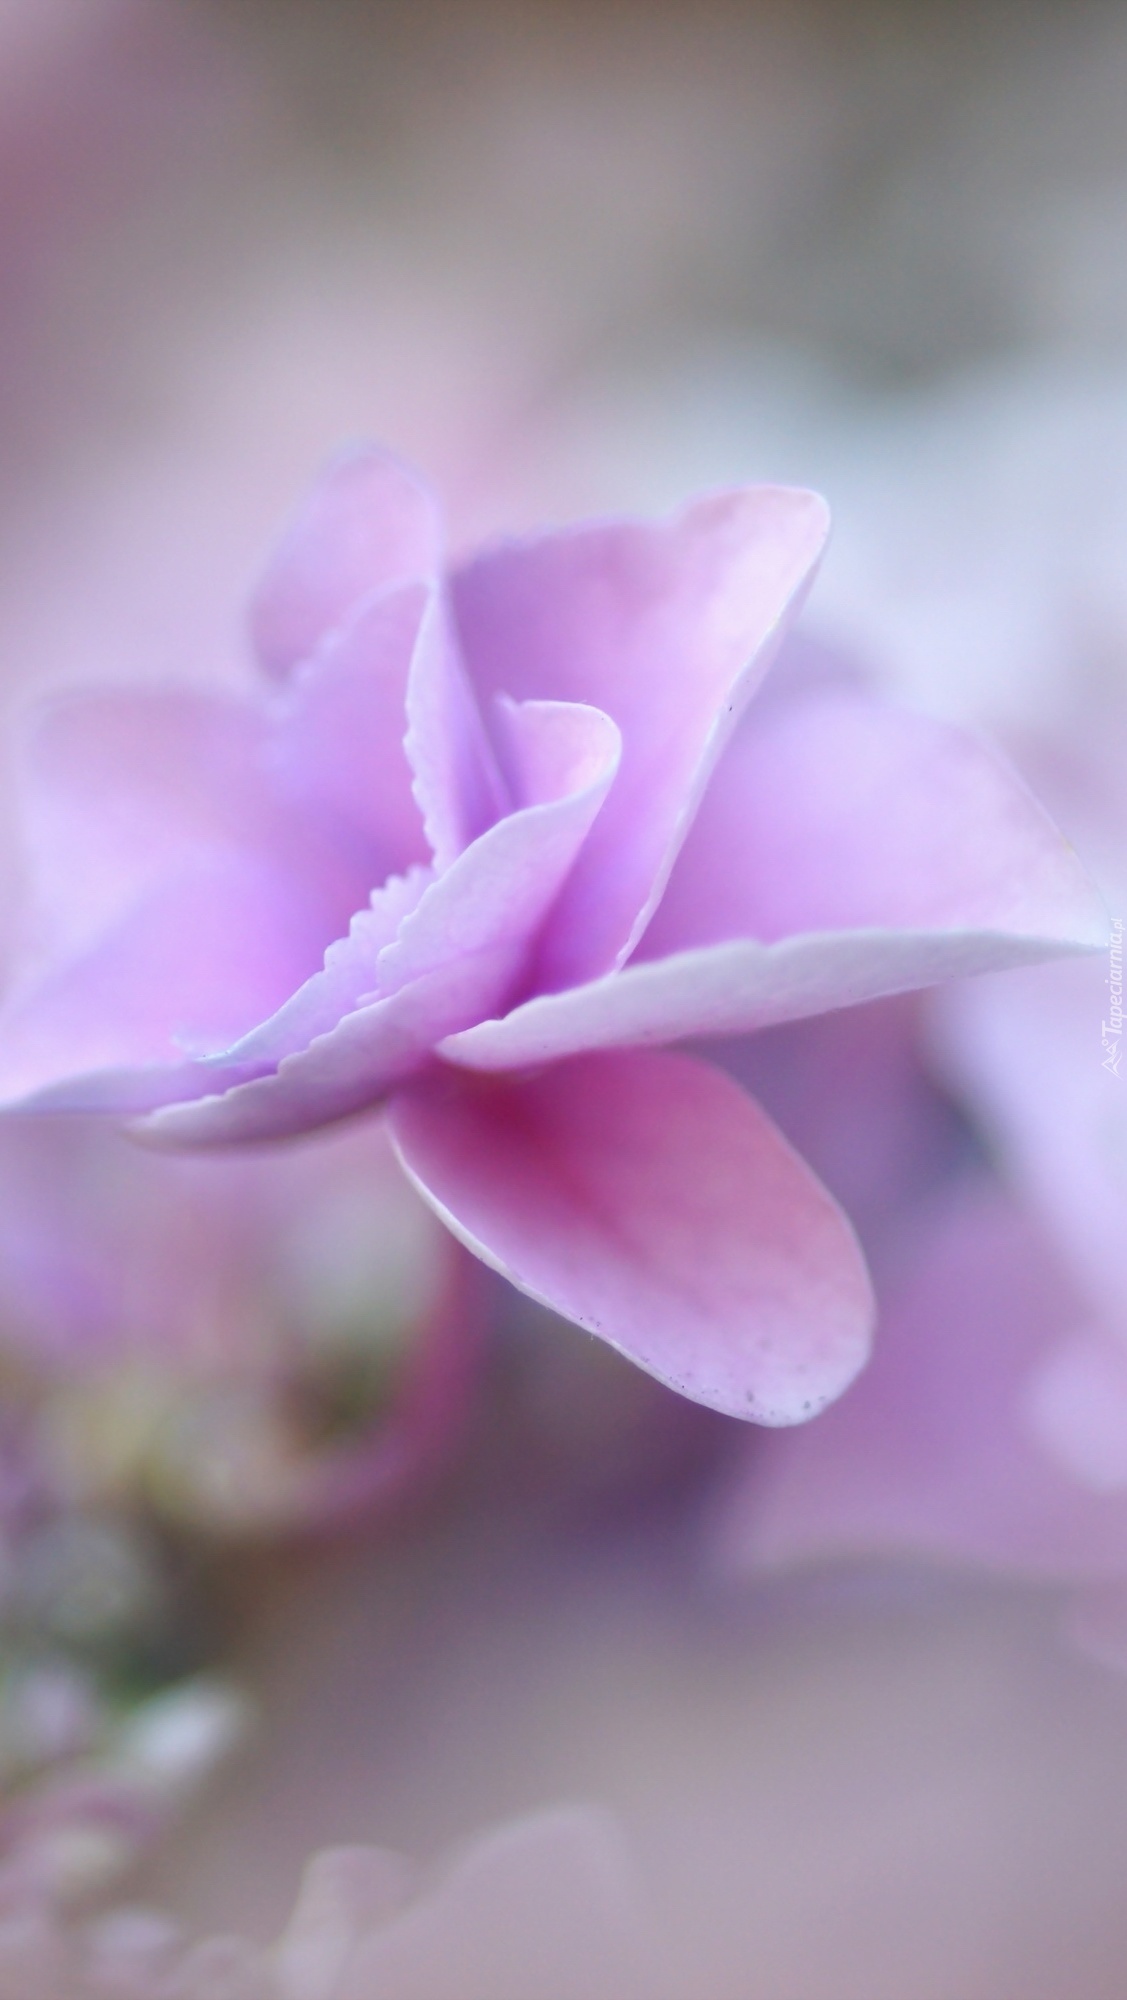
(337, 745)
(368, 524)
(957, 870)
(459, 951)
(177, 900)
(648, 1199)
(189, 968)
(121, 788)
(457, 785)
(369, 532)
(832, 811)
(731, 989)
(500, 890)
(933, 1451)
(347, 981)
(667, 627)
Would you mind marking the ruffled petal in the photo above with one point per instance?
(648, 1199)
(457, 786)
(337, 747)
(348, 980)
(461, 949)
(668, 627)
(368, 524)
(176, 898)
(116, 1028)
(350, 1068)
(926, 850)
(831, 811)
(731, 989)
(370, 533)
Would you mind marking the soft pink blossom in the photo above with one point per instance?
(579, 849)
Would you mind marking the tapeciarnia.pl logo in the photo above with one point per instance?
(1112, 1029)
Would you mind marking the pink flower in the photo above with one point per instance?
(580, 849)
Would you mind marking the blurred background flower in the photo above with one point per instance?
(569, 259)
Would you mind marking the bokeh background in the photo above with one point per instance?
(570, 259)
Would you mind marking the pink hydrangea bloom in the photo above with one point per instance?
(488, 838)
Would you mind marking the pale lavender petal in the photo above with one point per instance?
(348, 1069)
(934, 1451)
(190, 968)
(368, 524)
(834, 812)
(913, 854)
(120, 788)
(348, 980)
(337, 746)
(369, 527)
(551, 748)
(648, 1199)
(457, 786)
(852, 1094)
(730, 989)
(668, 627)
(460, 951)
(500, 890)
(177, 899)
(544, 1907)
